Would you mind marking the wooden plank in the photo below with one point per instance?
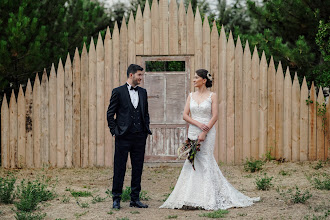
(271, 108)
(108, 158)
(320, 126)
(76, 111)
(192, 73)
(182, 19)
(68, 98)
(29, 125)
(20, 128)
(164, 25)
(206, 44)
(222, 81)
(131, 40)
(92, 105)
(295, 119)
(13, 131)
(147, 29)
(5, 159)
(255, 105)
(52, 117)
(139, 32)
(60, 115)
(190, 30)
(36, 123)
(44, 123)
(100, 110)
(116, 57)
(154, 28)
(247, 102)
(173, 36)
(198, 28)
(238, 102)
(123, 52)
(263, 106)
(303, 156)
(312, 124)
(279, 84)
(287, 132)
(230, 69)
(84, 108)
(327, 137)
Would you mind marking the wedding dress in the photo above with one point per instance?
(204, 187)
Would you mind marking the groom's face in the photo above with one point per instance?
(137, 78)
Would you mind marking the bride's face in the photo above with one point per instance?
(199, 81)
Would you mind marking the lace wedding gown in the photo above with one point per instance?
(204, 187)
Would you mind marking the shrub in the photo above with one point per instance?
(253, 165)
(21, 215)
(319, 165)
(7, 189)
(322, 184)
(295, 197)
(264, 183)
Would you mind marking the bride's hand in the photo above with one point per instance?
(201, 137)
(204, 127)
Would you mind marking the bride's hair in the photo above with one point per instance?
(205, 75)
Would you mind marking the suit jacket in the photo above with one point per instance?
(120, 105)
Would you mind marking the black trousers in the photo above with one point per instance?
(134, 143)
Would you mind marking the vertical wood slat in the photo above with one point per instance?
(303, 156)
(76, 160)
(295, 119)
(279, 93)
(60, 115)
(255, 105)
(247, 102)
(52, 117)
(173, 35)
(206, 44)
(100, 111)
(312, 124)
(13, 130)
(84, 141)
(238, 88)
(44, 117)
(164, 36)
(131, 40)
(68, 111)
(92, 105)
(271, 108)
(230, 68)
(5, 120)
(36, 123)
(139, 27)
(263, 106)
(154, 28)
(320, 126)
(21, 128)
(108, 159)
(327, 130)
(198, 41)
(182, 22)
(29, 125)
(287, 144)
(190, 30)
(116, 56)
(146, 30)
(123, 52)
(222, 129)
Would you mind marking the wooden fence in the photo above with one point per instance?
(61, 121)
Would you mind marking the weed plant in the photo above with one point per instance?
(80, 193)
(172, 216)
(21, 215)
(322, 184)
(284, 173)
(264, 183)
(295, 197)
(319, 165)
(97, 199)
(253, 165)
(7, 189)
(216, 214)
(126, 194)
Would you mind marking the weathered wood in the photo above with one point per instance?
(327, 130)
(255, 105)
(206, 44)
(247, 102)
(60, 116)
(295, 119)
(146, 30)
(29, 125)
(44, 117)
(279, 93)
(21, 128)
(263, 106)
(52, 117)
(164, 25)
(230, 68)
(312, 124)
(287, 126)
(92, 105)
(131, 54)
(123, 52)
(36, 123)
(320, 125)
(222, 81)
(238, 89)
(198, 41)
(116, 58)
(13, 130)
(84, 108)
(100, 111)
(139, 32)
(271, 108)
(5, 120)
(303, 156)
(76, 160)
(173, 36)
(190, 30)
(192, 73)
(182, 19)
(154, 28)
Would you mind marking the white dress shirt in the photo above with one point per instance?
(134, 95)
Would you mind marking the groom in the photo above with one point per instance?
(130, 128)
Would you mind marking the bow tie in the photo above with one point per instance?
(134, 88)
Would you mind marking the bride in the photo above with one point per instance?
(205, 187)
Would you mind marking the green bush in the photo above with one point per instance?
(264, 183)
(7, 189)
(322, 184)
(253, 165)
(295, 197)
(21, 215)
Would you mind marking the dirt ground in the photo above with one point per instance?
(157, 182)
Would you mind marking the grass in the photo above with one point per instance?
(78, 215)
(97, 199)
(7, 187)
(284, 173)
(319, 165)
(65, 199)
(216, 214)
(126, 194)
(171, 216)
(264, 183)
(21, 215)
(295, 197)
(80, 193)
(253, 165)
(135, 212)
(322, 184)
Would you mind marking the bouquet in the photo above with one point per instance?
(188, 150)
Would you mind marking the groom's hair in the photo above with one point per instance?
(133, 68)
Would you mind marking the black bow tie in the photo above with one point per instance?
(134, 88)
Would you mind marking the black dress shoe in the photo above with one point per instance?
(116, 204)
(137, 204)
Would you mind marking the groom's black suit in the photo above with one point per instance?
(130, 129)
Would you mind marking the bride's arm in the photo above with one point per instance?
(186, 115)
(214, 118)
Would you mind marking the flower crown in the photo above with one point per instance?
(209, 76)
